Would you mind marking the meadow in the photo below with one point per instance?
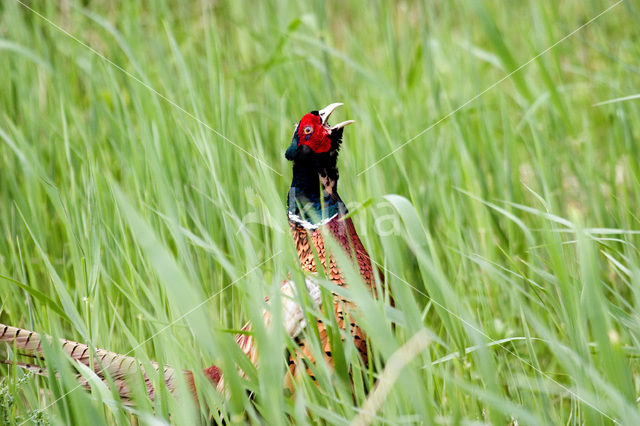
(142, 175)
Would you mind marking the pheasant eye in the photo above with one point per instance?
(308, 130)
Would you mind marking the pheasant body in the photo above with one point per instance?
(309, 241)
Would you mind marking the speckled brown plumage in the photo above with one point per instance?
(308, 241)
(343, 231)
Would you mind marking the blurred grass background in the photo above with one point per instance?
(513, 240)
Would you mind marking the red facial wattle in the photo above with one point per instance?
(313, 131)
(313, 134)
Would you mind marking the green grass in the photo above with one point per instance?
(515, 220)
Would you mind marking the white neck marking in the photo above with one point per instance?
(306, 224)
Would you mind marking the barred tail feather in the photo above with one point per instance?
(105, 363)
(117, 367)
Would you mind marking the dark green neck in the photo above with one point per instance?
(313, 195)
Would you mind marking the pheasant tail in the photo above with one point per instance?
(105, 364)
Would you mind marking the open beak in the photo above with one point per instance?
(325, 113)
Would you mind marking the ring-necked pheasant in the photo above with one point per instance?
(313, 206)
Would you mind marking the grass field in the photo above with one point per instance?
(141, 184)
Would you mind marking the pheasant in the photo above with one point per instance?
(313, 207)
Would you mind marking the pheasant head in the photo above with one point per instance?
(313, 196)
(314, 135)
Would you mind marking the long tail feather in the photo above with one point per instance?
(116, 367)
(105, 363)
